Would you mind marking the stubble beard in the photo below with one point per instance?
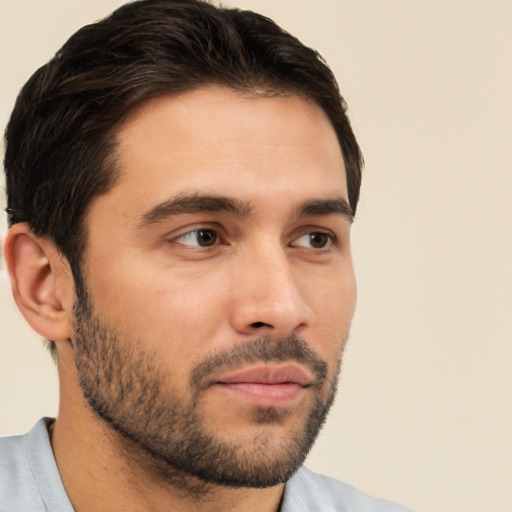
(126, 387)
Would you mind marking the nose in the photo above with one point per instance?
(267, 299)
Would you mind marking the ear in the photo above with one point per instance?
(42, 283)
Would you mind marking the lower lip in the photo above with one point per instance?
(265, 395)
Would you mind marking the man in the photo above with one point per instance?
(181, 182)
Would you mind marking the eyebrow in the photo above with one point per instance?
(196, 203)
(336, 205)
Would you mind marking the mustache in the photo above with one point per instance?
(266, 349)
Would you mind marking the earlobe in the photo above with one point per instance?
(41, 282)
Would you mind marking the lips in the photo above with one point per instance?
(273, 375)
(266, 386)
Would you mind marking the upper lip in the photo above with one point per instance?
(268, 374)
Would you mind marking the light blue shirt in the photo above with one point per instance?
(30, 482)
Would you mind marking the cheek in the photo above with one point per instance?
(333, 304)
(167, 311)
(333, 297)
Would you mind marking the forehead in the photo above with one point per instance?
(221, 142)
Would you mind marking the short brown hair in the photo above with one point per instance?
(61, 136)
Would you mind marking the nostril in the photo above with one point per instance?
(258, 325)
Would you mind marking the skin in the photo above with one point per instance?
(150, 279)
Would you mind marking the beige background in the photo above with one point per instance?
(424, 416)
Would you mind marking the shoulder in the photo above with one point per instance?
(307, 491)
(29, 478)
(18, 489)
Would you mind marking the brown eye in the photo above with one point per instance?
(314, 240)
(206, 237)
(318, 240)
(198, 238)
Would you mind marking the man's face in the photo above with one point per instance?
(220, 284)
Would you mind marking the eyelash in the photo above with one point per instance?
(332, 240)
(197, 231)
